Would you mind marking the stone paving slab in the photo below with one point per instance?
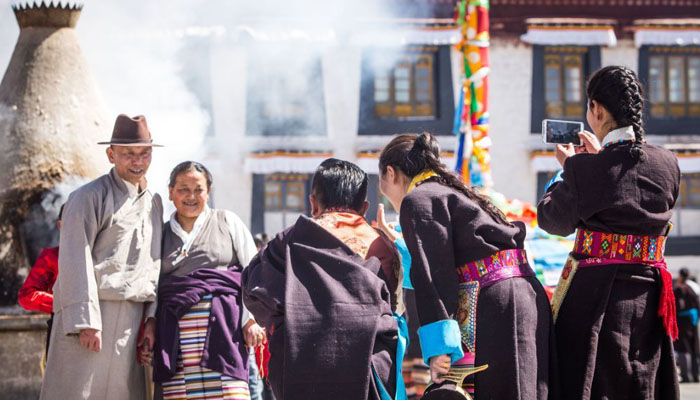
(690, 391)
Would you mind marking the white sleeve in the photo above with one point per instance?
(244, 245)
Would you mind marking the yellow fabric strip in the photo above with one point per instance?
(420, 178)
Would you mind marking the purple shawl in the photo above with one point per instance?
(224, 348)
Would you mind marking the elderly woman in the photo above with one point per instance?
(202, 325)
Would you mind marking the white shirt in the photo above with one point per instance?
(187, 237)
(620, 134)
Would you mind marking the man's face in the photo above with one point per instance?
(131, 163)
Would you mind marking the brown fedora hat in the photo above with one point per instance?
(131, 132)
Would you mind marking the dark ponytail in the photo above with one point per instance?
(413, 154)
(618, 90)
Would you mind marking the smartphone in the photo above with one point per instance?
(561, 132)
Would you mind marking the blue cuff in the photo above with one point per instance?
(405, 262)
(556, 178)
(441, 337)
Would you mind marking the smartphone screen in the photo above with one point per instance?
(561, 132)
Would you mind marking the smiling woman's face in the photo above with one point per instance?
(190, 194)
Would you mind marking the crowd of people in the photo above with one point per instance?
(196, 307)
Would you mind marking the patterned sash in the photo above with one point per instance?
(612, 246)
(593, 248)
(472, 277)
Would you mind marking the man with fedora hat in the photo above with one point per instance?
(108, 272)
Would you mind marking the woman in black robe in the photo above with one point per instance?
(464, 252)
(611, 341)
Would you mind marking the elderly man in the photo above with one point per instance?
(108, 272)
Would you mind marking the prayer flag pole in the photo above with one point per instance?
(471, 121)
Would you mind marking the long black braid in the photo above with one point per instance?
(413, 154)
(618, 90)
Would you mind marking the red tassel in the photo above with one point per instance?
(667, 304)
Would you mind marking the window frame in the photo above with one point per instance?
(591, 61)
(683, 194)
(443, 97)
(259, 200)
(668, 124)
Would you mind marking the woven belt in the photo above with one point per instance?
(599, 249)
(472, 277)
(613, 246)
(497, 267)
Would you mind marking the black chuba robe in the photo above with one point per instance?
(327, 313)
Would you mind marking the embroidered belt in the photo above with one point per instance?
(632, 248)
(495, 268)
(472, 277)
(599, 248)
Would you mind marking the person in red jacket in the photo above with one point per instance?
(36, 293)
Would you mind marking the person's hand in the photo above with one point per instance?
(146, 342)
(253, 334)
(388, 229)
(591, 145)
(564, 152)
(91, 339)
(439, 365)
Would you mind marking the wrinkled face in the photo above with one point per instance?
(392, 185)
(131, 163)
(190, 193)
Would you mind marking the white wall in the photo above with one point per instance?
(625, 54)
(341, 81)
(509, 103)
(226, 149)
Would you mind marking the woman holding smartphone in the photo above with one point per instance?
(614, 308)
(482, 311)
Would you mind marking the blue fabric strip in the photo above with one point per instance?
(692, 313)
(555, 179)
(441, 337)
(401, 347)
(405, 262)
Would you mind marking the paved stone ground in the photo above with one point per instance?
(690, 391)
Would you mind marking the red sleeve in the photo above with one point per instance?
(36, 294)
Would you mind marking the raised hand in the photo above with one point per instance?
(564, 152)
(388, 229)
(591, 144)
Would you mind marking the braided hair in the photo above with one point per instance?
(618, 90)
(413, 154)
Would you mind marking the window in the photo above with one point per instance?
(403, 87)
(689, 194)
(563, 71)
(406, 89)
(285, 192)
(674, 82)
(284, 93)
(558, 82)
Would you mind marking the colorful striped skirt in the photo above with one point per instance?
(191, 380)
